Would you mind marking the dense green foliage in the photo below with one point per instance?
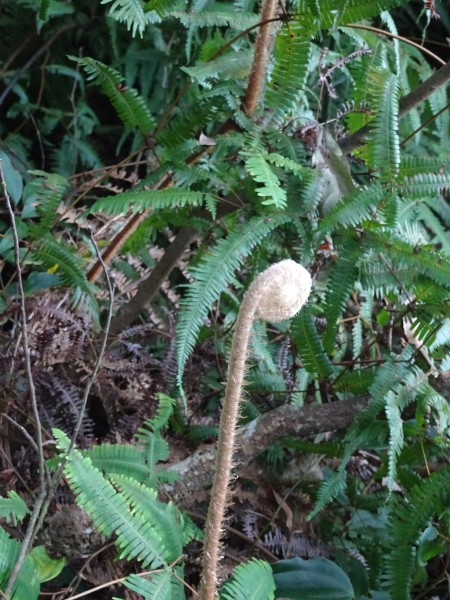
(123, 129)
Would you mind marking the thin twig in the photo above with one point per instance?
(29, 534)
(99, 360)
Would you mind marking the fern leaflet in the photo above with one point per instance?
(156, 199)
(130, 12)
(250, 581)
(55, 256)
(291, 56)
(385, 146)
(128, 104)
(212, 276)
(109, 510)
(309, 345)
(423, 184)
(340, 285)
(408, 518)
(271, 189)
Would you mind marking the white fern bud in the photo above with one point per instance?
(284, 288)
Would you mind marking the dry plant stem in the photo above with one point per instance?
(29, 534)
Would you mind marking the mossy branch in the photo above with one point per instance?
(277, 293)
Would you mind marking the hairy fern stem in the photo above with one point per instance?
(277, 293)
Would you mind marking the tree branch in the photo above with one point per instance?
(263, 48)
(150, 286)
(197, 470)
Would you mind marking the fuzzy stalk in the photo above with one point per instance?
(277, 293)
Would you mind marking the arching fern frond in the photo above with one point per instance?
(359, 206)
(58, 258)
(291, 59)
(261, 171)
(12, 508)
(419, 258)
(205, 18)
(43, 9)
(396, 400)
(163, 517)
(49, 189)
(250, 581)
(121, 459)
(212, 276)
(423, 184)
(156, 586)
(132, 13)
(407, 520)
(385, 144)
(327, 13)
(339, 287)
(411, 166)
(128, 104)
(109, 510)
(309, 345)
(157, 199)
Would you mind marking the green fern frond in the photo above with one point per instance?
(250, 581)
(328, 13)
(396, 400)
(121, 459)
(288, 164)
(430, 264)
(309, 345)
(13, 508)
(49, 192)
(291, 60)
(234, 20)
(339, 287)
(163, 517)
(132, 13)
(329, 489)
(128, 104)
(411, 166)
(27, 586)
(156, 199)
(407, 520)
(385, 144)
(361, 205)
(433, 223)
(234, 66)
(163, 7)
(423, 185)
(156, 586)
(261, 171)
(136, 538)
(54, 255)
(43, 9)
(212, 276)
(356, 382)
(164, 412)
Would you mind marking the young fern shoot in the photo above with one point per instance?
(277, 293)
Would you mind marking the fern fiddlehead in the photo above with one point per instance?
(277, 293)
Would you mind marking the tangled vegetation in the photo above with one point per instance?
(155, 157)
